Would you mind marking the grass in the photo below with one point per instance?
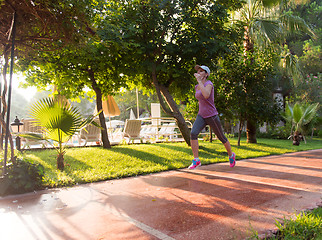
(92, 164)
(304, 226)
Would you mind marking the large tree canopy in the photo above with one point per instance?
(43, 25)
(87, 62)
(165, 39)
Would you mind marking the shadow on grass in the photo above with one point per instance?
(204, 152)
(210, 152)
(48, 158)
(147, 156)
(175, 147)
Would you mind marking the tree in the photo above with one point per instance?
(27, 25)
(307, 49)
(59, 121)
(165, 39)
(87, 62)
(233, 82)
(311, 60)
(299, 116)
(266, 22)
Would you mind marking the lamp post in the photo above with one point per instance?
(15, 128)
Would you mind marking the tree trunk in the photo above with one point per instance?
(297, 138)
(251, 130)
(210, 130)
(174, 110)
(240, 130)
(60, 162)
(248, 45)
(251, 123)
(176, 114)
(105, 140)
(3, 105)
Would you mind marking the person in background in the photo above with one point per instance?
(207, 115)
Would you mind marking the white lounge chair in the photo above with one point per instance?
(90, 133)
(132, 130)
(168, 130)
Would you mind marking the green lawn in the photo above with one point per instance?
(93, 164)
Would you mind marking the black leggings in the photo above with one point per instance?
(213, 122)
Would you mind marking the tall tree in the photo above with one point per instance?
(165, 39)
(238, 75)
(87, 62)
(39, 24)
(266, 22)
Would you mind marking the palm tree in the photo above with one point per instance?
(299, 116)
(265, 22)
(59, 121)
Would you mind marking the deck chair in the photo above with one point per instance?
(163, 129)
(132, 130)
(117, 133)
(168, 130)
(29, 127)
(90, 133)
(148, 132)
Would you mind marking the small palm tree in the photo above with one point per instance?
(299, 116)
(59, 121)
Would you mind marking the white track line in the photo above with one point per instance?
(141, 225)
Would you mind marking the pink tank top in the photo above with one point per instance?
(206, 106)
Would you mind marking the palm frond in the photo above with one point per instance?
(310, 113)
(33, 136)
(59, 119)
(290, 62)
(297, 113)
(269, 29)
(300, 115)
(295, 24)
(288, 114)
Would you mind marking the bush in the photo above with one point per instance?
(320, 133)
(243, 134)
(281, 132)
(22, 177)
(305, 226)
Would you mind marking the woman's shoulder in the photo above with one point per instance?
(208, 82)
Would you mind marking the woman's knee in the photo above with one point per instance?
(223, 139)
(194, 135)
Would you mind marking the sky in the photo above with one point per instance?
(28, 93)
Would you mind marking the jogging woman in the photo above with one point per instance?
(207, 115)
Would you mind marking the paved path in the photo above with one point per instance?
(212, 202)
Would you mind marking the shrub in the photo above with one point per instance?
(22, 177)
(320, 133)
(305, 226)
(280, 132)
